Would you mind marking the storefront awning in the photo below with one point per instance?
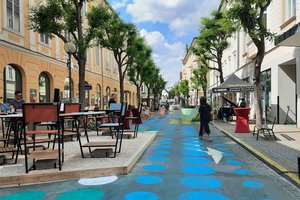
(233, 84)
(290, 37)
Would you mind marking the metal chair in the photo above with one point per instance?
(136, 119)
(265, 128)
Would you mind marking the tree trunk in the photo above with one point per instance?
(121, 81)
(197, 96)
(81, 64)
(138, 92)
(257, 94)
(148, 97)
(220, 70)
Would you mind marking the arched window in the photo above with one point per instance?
(44, 88)
(87, 95)
(116, 92)
(66, 89)
(98, 95)
(12, 82)
(106, 98)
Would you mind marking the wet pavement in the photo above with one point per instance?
(176, 166)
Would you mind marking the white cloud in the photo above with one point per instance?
(166, 56)
(154, 38)
(182, 18)
(181, 15)
(119, 4)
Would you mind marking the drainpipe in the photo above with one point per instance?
(238, 50)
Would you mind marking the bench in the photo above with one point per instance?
(265, 128)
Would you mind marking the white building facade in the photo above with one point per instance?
(280, 72)
(189, 64)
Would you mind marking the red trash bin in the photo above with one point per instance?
(242, 120)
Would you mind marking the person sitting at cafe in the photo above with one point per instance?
(17, 102)
(113, 99)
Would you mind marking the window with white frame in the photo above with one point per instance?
(45, 38)
(107, 59)
(68, 36)
(83, 10)
(235, 60)
(290, 9)
(13, 15)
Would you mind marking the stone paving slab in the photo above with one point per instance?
(281, 155)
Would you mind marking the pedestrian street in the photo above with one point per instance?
(177, 165)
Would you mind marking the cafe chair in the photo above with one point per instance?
(34, 113)
(135, 119)
(117, 126)
(71, 108)
(111, 116)
(14, 149)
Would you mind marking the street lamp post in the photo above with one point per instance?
(70, 48)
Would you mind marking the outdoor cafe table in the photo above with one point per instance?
(15, 117)
(12, 120)
(83, 114)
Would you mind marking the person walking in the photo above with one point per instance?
(205, 117)
(162, 111)
(167, 105)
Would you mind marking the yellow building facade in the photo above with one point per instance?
(37, 65)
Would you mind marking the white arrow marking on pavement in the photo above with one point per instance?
(216, 155)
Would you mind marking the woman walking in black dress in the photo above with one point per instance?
(205, 117)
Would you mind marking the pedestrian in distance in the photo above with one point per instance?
(243, 103)
(112, 99)
(205, 117)
(162, 111)
(167, 105)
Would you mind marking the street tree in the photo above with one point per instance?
(213, 39)
(152, 73)
(199, 78)
(63, 19)
(250, 15)
(158, 86)
(184, 90)
(141, 61)
(117, 36)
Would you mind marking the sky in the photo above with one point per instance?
(168, 26)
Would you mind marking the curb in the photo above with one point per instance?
(292, 177)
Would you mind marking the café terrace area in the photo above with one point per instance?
(76, 161)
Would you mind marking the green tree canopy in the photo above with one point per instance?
(117, 36)
(141, 62)
(64, 19)
(213, 39)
